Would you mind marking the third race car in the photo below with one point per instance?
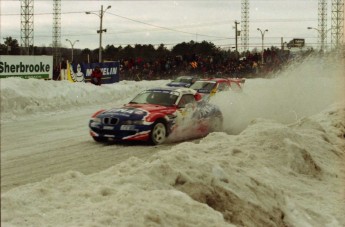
(209, 87)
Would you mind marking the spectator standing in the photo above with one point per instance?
(63, 71)
(56, 72)
(255, 67)
(96, 76)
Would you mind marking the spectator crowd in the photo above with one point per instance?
(253, 65)
(250, 66)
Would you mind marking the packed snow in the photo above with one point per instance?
(279, 162)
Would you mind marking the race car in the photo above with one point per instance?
(157, 115)
(183, 81)
(236, 84)
(209, 87)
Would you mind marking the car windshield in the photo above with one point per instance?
(203, 86)
(183, 79)
(157, 97)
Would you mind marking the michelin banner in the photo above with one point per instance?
(81, 72)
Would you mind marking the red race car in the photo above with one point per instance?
(208, 87)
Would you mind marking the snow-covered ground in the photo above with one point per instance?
(279, 162)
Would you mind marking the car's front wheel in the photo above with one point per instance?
(158, 133)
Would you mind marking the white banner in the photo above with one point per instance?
(24, 66)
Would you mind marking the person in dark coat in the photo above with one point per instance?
(96, 76)
(63, 71)
(56, 73)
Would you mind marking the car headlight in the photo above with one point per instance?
(130, 122)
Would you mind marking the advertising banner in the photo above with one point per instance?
(81, 72)
(40, 67)
(296, 43)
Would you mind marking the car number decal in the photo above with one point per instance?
(108, 127)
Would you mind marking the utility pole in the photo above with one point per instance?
(101, 30)
(337, 23)
(245, 24)
(322, 24)
(236, 32)
(27, 26)
(56, 32)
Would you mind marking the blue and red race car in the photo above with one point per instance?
(157, 115)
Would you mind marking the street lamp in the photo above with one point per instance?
(72, 44)
(101, 30)
(262, 43)
(323, 35)
(236, 34)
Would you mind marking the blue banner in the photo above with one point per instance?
(81, 72)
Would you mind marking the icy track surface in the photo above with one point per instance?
(279, 162)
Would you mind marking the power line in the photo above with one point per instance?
(164, 28)
(211, 23)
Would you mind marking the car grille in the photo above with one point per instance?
(110, 121)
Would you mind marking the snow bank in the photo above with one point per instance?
(269, 175)
(284, 166)
(23, 97)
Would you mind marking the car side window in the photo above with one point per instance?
(186, 99)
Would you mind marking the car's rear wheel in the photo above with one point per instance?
(100, 139)
(158, 133)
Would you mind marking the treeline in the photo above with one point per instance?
(112, 53)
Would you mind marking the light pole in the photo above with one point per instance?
(72, 44)
(101, 30)
(236, 34)
(323, 35)
(262, 43)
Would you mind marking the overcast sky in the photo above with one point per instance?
(167, 22)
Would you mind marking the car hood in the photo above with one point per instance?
(151, 107)
(136, 111)
(178, 84)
